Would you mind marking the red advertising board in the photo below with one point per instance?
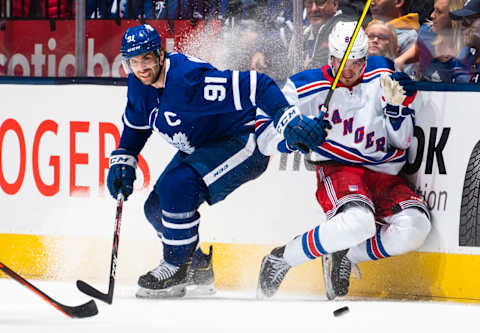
(32, 48)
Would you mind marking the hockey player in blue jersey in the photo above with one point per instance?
(210, 116)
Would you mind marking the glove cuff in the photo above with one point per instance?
(283, 117)
(122, 156)
(397, 111)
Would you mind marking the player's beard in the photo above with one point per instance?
(150, 75)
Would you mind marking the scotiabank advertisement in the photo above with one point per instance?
(37, 48)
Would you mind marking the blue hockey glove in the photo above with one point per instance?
(300, 132)
(406, 83)
(121, 173)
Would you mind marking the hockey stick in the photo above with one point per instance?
(327, 260)
(324, 107)
(88, 309)
(88, 289)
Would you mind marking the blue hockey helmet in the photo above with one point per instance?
(140, 40)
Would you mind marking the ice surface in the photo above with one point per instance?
(227, 311)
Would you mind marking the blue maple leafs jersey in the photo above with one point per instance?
(198, 105)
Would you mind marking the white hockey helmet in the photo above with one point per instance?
(340, 37)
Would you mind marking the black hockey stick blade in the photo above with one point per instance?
(88, 289)
(88, 309)
(95, 293)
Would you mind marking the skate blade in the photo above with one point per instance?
(172, 292)
(260, 295)
(200, 290)
(327, 269)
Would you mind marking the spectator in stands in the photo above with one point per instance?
(102, 9)
(271, 50)
(438, 43)
(406, 25)
(321, 15)
(467, 67)
(156, 9)
(60, 8)
(239, 35)
(354, 8)
(36, 8)
(382, 40)
(423, 8)
(172, 9)
(21, 8)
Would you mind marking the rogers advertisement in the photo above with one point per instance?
(33, 48)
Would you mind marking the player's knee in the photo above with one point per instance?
(361, 221)
(182, 179)
(415, 227)
(153, 212)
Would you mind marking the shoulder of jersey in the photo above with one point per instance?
(311, 81)
(376, 65)
(185, 68)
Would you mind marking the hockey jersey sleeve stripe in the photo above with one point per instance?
(236, 90)
(375, 75)
(253, 86)
(259, 123)
(313, 85)
(129, 124)
(377, 71)
(313, 91)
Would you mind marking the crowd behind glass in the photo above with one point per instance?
(430, 40)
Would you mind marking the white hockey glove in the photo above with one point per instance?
(393, 91)
(399, 91)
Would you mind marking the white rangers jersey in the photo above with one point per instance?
(361, 134)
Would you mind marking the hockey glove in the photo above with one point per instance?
(398, 88)
(121, 173)
(399, 91)
(300, 132)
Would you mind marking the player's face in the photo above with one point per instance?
(352, 71)
(145, 67)
(440, 18)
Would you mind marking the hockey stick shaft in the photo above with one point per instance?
(345, 56)
(88, 289)
(82, 311)
(324, 107)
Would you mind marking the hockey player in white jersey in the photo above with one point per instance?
(371, 211)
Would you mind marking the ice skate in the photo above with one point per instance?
(201, 277)
(272, 271)
(164, 281)
(336, 274)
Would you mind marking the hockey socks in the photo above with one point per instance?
(348, 228)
